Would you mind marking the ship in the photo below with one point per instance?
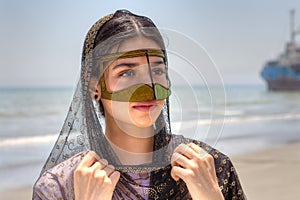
(283, 73)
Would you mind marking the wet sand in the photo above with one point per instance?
(271, 174)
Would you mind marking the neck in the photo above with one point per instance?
(128, 137)
(130, 147)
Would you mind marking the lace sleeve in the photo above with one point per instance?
(58, 182)
(48, 187)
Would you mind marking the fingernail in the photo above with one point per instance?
(94, 154)
(103, 161)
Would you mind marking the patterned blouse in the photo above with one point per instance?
(58, 183)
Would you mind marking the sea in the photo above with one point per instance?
(234, 119)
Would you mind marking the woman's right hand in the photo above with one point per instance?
(94, 178)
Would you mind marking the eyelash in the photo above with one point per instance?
(125, 72)
(161, 71)
(154, 71)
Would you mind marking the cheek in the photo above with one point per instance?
(107, 106)
(161, 103)
(115, 109)
(108, 80)
(122, 112)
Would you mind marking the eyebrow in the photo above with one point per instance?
(132, 64)
(127, 64)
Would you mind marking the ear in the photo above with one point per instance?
(97, 92)
(95, 89)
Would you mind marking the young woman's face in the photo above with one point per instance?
(125, 72)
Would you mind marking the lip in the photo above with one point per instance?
(144, 106)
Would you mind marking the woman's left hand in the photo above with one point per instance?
(196, 168)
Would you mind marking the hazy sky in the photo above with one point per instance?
(41, 41)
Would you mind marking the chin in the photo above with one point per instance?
(143, 123)
(144, 119)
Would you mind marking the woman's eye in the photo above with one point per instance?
(158, 71)
(127, 73)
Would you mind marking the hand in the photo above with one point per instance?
(196, 168)
(94, 178)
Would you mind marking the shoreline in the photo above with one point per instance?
(271, 173)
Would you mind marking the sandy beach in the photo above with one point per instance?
(271, 174)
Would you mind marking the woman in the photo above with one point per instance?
(116, 142)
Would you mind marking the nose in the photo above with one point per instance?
(146, 78)
(144, 75)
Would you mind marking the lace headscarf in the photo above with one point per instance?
(84, 125)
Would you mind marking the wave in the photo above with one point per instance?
(249, 103)
(233, 112)
(30, 140)
(28, 114)
(287, 116)
(244, 119)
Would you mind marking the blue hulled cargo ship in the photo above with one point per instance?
(284, 72)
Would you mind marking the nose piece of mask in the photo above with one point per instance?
(137, 93)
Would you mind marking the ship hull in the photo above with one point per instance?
(283, 84)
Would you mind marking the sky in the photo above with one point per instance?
(41, 41)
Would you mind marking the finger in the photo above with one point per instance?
(175, 177)
(201, 153)
(175, 156)
(89, 159)
(184, 150)
(179, 172)
(98, 165)
(109, 169)
(179, 160)
(100, 175)
(103, 162)
(195, 147)
(115, 176)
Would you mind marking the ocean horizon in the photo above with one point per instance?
(245, 118)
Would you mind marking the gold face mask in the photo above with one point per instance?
(134, 82)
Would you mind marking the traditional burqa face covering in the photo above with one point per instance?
(84, 125)
(139, 83)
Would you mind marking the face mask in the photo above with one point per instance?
(134, 82)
